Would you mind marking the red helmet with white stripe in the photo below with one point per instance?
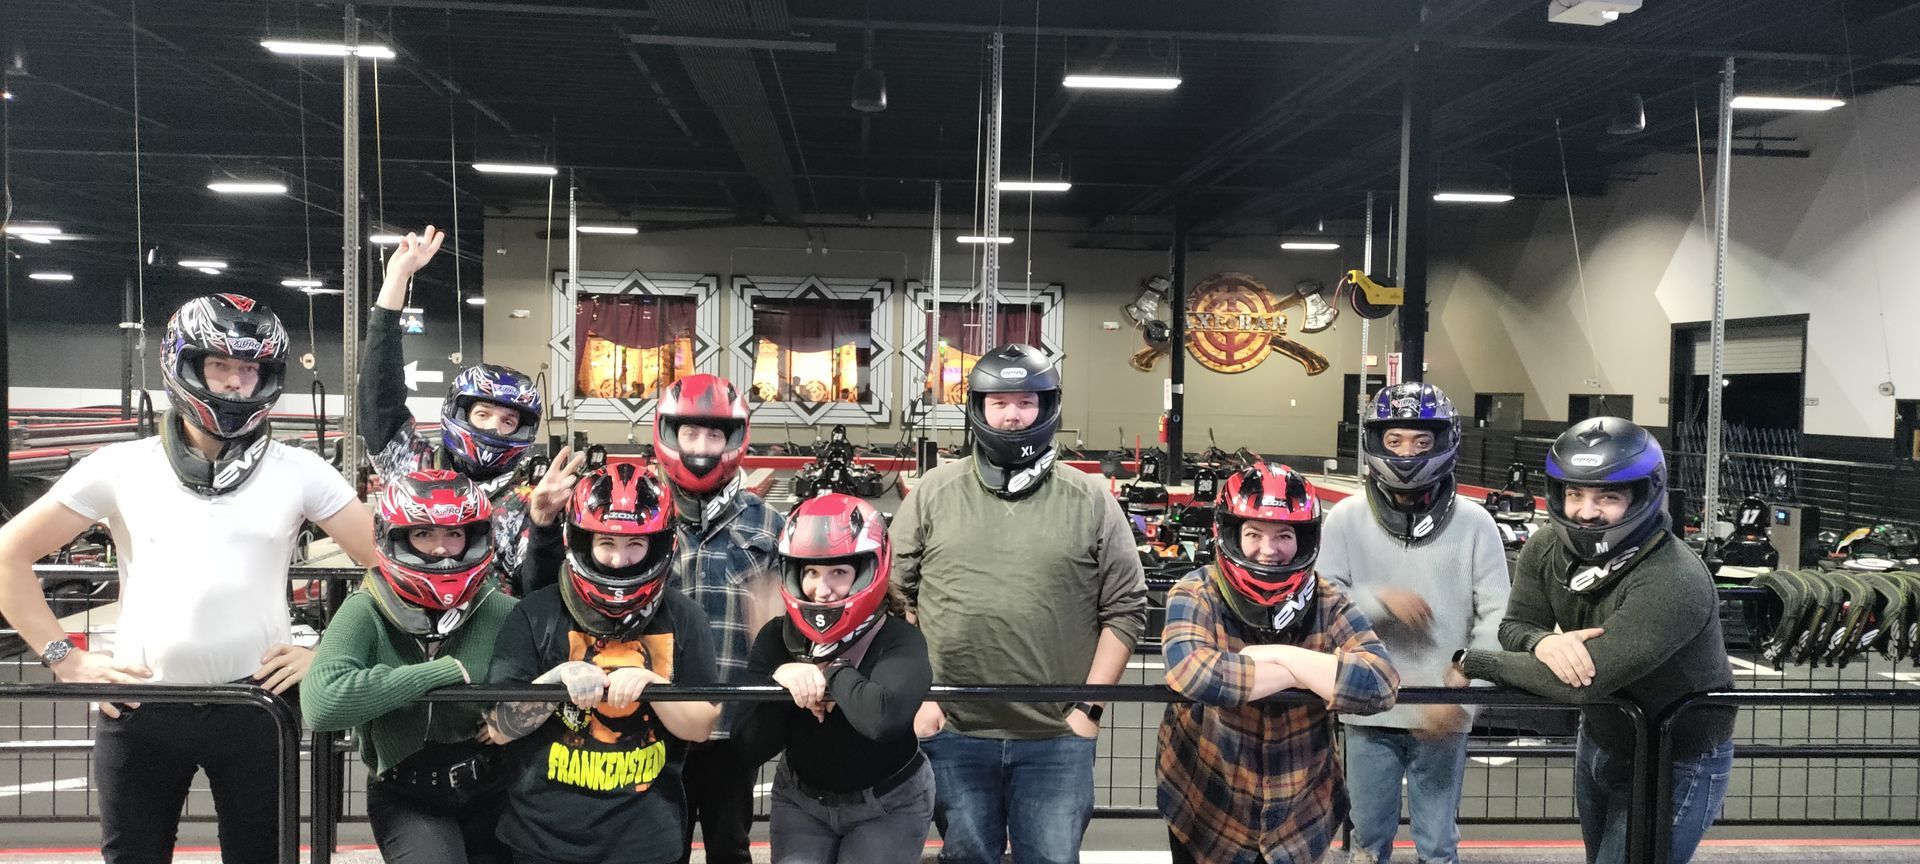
(835, 529)
(700, 400)
(620, 499)
(1266, 596)
(433, 498)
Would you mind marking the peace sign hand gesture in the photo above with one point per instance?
(549, 499)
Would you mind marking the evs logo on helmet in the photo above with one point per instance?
(1585, 460)
(1013, 373)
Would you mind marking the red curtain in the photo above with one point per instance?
(807, 328)
(960, 326)
(636, 322)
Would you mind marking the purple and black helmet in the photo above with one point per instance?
(482, 454)
(1608, 451)
(1411, 496)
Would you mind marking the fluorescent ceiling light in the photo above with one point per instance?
(235, 187)
(294, 48)
(1120, 82)
(384, 239)
(322, 291)
(476, 300)
(1785, 103)
(51, 277)
(968, 238)
(514, 168)
(608, 229)
(1306, 246)
(1473, 197)
(205, 265)
(33, 230)
(42, 239)
(301, 283)
(1034, 186)
(210, 271)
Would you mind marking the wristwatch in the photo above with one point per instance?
(56, 651)
(1092, 711)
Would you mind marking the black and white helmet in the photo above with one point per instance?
(1013, 464)
(1608, 452)
(229, 325)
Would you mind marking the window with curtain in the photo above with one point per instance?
(630, 346)
(961, 346)
(811, 351)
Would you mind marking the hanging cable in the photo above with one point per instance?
(459, 300)
(306, 215)
(1033, 144)
(979, 195)
(1579, 268)
(139, 212)
(1866, 196)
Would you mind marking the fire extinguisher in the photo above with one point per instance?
(1163, 430)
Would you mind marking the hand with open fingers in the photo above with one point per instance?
(1566, 654)
(929, 721)
(99, 667)
(1406, 607)
(804, 681)
(625, 684)
(283, 667)
(414, 251)
(550, 497)
(585, 682)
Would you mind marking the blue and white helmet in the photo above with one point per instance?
(480, 453)
(1411, 496)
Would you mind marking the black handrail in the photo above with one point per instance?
(286, 727)
(1659, 813)
(96, 573)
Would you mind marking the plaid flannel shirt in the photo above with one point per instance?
(726, 553)
(1249, 783)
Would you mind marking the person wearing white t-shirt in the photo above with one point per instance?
(205, 516)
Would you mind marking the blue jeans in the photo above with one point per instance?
(987, 791)
(1377, 758)
(1603, 785)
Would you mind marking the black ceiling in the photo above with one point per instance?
(1287, 112)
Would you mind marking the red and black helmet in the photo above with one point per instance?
(835, 529)
(433, 498)
(1267, 596)
(701, 400)
(623, 499)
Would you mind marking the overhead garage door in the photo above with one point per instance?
(1763, 349)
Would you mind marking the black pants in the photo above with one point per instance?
(144, 760)
(410, 834)
(719, 786)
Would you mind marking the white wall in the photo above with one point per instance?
(1835, 236)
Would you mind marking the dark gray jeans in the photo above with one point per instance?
(890, 828)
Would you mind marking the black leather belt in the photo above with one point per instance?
(464, 774)
(880, 789)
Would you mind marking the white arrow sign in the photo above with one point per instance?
(415, 375)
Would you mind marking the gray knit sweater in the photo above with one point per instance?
(1461, 572)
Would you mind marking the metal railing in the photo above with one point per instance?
(286, 728)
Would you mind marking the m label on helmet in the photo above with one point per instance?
(1585, 460)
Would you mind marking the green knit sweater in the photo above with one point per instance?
(366, 674)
